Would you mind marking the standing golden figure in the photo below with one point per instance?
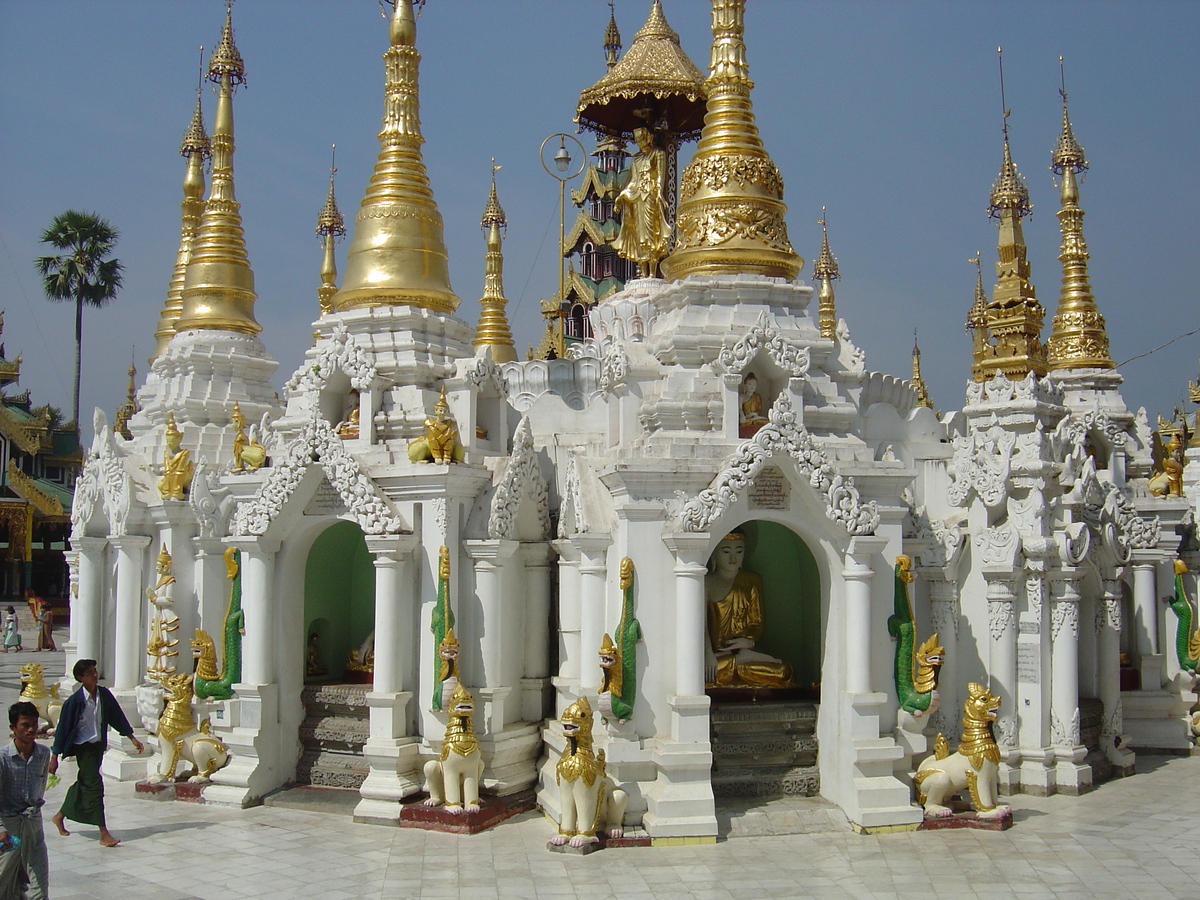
(644, 237)
(735, 623)
(177, 464)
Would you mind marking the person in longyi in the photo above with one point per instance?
(735, 623)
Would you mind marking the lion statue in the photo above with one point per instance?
(453, 778)
(180, 738)
(33, 689)
(974, 767)
(588, 796)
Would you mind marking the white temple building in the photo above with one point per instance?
(724, 397)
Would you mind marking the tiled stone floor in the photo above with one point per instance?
(1129, 839)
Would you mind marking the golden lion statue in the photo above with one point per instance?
(453, 778)
(33, 689)
(589, 798)
(180, 739)
(975, 767)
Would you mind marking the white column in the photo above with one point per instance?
(858, 574)
(258, 604)
(943, 609)
(395, 610)
(536, 558)
(489, 557)
(593, 571)
(691, 559)
(211, 585)
(568, 610)
(1002, 667)
(1145, 609)
(87, 604)
(72, 559)
(1108, 622)
(1064, 690)
(131, 637)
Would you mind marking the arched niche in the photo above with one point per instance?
(339, 595)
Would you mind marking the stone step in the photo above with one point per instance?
(767, 781)
(348, 733)
(781, 717)
(330, 768)
(335, 699)
(765, 750)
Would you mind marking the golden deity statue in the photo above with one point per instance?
(735, 623)
(644, 237)
(177, 464)
(1168, 481)
(247, 453)
(440, 443)
(750, 417)
(163, 623)
(349, 426)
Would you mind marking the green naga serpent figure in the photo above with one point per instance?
(1187, 642)
(618, 661)
(209, 683)
(916, 673)
(445, 664)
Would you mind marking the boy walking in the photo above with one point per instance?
(24, 767)
(83, 733)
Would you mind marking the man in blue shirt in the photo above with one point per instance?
(83, 733)
(24, 767)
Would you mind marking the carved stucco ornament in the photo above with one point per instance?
(765, 335)
(781, 436)
(981, 464)
(318, 441)
(341, 353)
(210, 502)
(521, 481)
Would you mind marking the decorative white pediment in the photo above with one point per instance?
(210, 502)
(103, 484)
(342, 352)
(765, 335)
(1000, 389)
(521, 482)
(482, 373)
(317, 442)
(783, 435)
(936, 543)
(614, 368)
(570, 512)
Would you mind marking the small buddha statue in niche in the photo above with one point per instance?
(313, 666)
(177, 464)
(735, 623)
(751, 414)
(348, 428)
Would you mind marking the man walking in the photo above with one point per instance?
(24, 767)
(83, 733)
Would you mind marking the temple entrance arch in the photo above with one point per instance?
(339, 597)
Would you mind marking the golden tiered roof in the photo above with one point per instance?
(493, 331)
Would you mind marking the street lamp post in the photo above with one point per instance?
(562, 173)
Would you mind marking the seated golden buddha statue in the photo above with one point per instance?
(750, 417)
(735, 623)
(177, 464)
(440, 443)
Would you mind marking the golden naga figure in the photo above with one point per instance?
(177, 464)
(735, 623)
(590, 799)
(644, 237)
(440, 443)
(751, 413)
(453, 778)
(975, 767)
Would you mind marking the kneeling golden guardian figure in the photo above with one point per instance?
(440, 443)
(735, 623)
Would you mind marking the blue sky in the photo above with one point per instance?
(887, 113)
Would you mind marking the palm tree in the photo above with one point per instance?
(84, 273)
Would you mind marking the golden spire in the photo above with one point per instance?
(218, 291)
(330, 226)
(612, 38)
(196, 150)
(731, 209)
(977, 315)
(1077, 336)
(1014, 316)
(398, 255)
(129, 408)
(493, 331)
(825, 270)
(917, 381)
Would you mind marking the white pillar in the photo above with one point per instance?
(1072, 775)
(943, 609)
(87, 604)
(1002, 666)
(1145, 609)
(691, 566)
(211, 584)
(1108, 621)
(395, 610)
(130, 650)
(858, 574)
(568, 610)
(72, 559)
(258, 604)
(489, 557)
(536, 672)
(593, 571)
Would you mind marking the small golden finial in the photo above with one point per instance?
(612, 38)
(825, 270)
(331, 227)
(493, 335)
(918, 382)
